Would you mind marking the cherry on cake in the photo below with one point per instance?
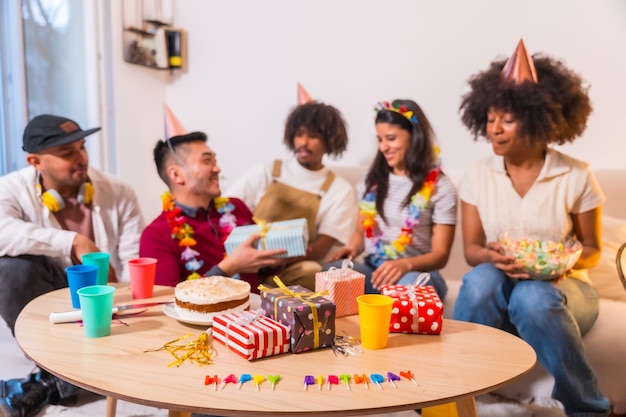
(201, 299)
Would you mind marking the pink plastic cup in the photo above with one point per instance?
(142, 271)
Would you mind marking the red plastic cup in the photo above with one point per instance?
(142, 271)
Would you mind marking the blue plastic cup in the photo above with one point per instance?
(79, 276)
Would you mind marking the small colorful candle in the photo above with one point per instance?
(244, 378)
(345, 378)
(257, 381)
(308, 380)
(332, 379)
(361, 379)
(230, 378)
(211, 380)
(409, 375)
(320, 382)
(391, 377)
(274, 380)
(377, 379)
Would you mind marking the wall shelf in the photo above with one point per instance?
(149, 38)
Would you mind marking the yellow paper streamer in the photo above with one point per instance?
(199, 350)
(302, 297)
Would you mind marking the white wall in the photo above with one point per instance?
(246, 57)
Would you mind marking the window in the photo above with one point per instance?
(48, 64)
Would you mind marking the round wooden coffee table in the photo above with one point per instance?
(464, 361)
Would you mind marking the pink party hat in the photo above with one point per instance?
(520, 66)
(303, 96)
(173, 127)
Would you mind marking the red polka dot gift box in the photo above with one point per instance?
(416, 309)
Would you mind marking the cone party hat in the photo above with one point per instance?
(303, 95)
(520, 66)
(174, 128)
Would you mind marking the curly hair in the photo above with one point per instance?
(554, 110)
(319, 120)
(165, 150)
(419, 159)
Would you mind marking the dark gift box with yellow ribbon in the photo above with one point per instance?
(292, 235)
(310, 316)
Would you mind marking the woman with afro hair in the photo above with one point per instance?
(522, 106)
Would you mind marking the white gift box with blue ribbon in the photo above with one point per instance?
(292, 235)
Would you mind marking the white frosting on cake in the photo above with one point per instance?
(198, 295)
(212, 290)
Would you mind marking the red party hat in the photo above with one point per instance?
(520, 66)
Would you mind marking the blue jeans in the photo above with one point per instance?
(551, 317)
(436, 280)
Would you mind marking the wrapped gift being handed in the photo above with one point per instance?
(250, 334)
(310, 316)
(292, 235)
(416, 308)
(343, 285)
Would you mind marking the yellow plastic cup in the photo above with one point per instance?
(374, 320)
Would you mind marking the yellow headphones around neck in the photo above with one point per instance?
(54, 202)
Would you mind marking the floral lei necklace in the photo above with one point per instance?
(183, 232)
(419, 201)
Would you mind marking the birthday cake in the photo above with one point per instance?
(203, 298)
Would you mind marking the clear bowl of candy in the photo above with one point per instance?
(542, 259)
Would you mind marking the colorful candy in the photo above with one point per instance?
(542, 259)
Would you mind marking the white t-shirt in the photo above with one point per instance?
(337, 212)
(441, 209)
(564, 186)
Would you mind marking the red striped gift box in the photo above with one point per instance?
(251, 335)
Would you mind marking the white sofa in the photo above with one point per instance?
(605, 343)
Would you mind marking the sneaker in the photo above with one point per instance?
(25, 397)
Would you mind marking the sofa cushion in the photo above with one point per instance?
(604, 275)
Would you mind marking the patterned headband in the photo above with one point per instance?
(395, 107)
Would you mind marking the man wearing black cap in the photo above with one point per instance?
(51, 213)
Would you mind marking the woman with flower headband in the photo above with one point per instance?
(521, 106)
(408, 207)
